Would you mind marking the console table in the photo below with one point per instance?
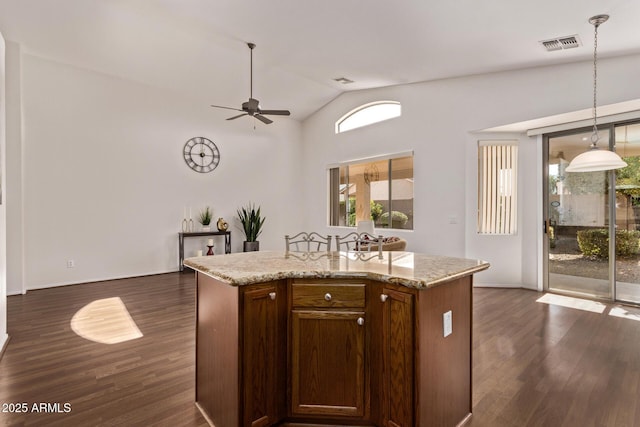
(182, 235)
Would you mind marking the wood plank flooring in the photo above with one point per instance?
(537, 364)
(534, 364)
(147, 381)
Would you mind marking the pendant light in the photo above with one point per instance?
(596, 159)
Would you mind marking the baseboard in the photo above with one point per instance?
(5, 343)
(497, 285)
(464, 421)
(205, 415)
(103, 279)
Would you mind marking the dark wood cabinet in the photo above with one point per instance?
(333, 352)
(327, 348)
(262, 330)
(241, 344)
(328, 363)
(397, 374)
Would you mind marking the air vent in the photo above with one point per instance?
(560, 43)
(343, 80)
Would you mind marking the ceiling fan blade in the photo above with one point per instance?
(276, 112)
(226, 108)
(235, 117)
(263, 119)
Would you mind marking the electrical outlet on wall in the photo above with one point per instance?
(447, 323)
(71, 263)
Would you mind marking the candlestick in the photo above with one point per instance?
(210, 251)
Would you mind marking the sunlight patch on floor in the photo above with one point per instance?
(572, 302)
(624, 313)
(105, 321)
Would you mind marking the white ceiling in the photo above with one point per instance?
(197, 48)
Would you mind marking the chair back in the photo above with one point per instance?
(359, 242)
(307, 242)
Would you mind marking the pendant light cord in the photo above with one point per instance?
(595, 137)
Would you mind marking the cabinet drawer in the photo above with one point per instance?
(323, 295)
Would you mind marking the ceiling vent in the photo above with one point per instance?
(560, 43)
(343, 80)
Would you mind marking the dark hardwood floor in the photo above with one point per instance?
(537, 364)
(534, 364)
(148, 381)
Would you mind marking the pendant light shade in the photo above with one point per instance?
(596, 159)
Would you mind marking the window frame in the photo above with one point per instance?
(334, 181)
(362, 108)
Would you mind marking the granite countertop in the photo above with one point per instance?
(404, 268)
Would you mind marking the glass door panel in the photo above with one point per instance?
(628, 214)
(577, 220)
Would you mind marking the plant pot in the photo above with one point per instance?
(251, 246)
(206, 228)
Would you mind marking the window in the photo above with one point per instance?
(378, 189)
(497, 187)
(367, 114)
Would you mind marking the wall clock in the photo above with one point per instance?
(201, 154)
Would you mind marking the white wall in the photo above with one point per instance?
(105, 182)
(15, 232)
(3, 205)
(439, 122)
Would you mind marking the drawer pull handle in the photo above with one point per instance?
(360, 321)
(272, 295)
(383, 297)
(327, 296)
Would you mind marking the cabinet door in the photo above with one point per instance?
(260, 353)
(328, 366)
(397, 358)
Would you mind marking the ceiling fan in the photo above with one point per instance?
(252, 106)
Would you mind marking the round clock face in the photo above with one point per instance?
(201, 154)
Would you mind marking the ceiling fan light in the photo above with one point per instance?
(596, 160)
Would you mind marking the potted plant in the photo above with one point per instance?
(252, 224)
(204, 217)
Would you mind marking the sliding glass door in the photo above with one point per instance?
(627, 211)
(582, 210)
(577, 215)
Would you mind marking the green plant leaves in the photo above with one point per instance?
(252, 221)
(205, 216)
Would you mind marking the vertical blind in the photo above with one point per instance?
(497, 187)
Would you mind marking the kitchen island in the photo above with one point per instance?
(338, 338)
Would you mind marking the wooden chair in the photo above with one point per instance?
(307, 242)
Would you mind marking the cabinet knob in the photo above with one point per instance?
(272, 295)
(327, 296)
(383, 297)
(360, 321)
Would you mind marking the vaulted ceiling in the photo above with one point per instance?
(197, 48)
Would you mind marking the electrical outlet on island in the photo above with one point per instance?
(447, 323)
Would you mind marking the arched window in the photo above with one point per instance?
(367, 114)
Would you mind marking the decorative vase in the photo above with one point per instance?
(251, 246)
(222, 224)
